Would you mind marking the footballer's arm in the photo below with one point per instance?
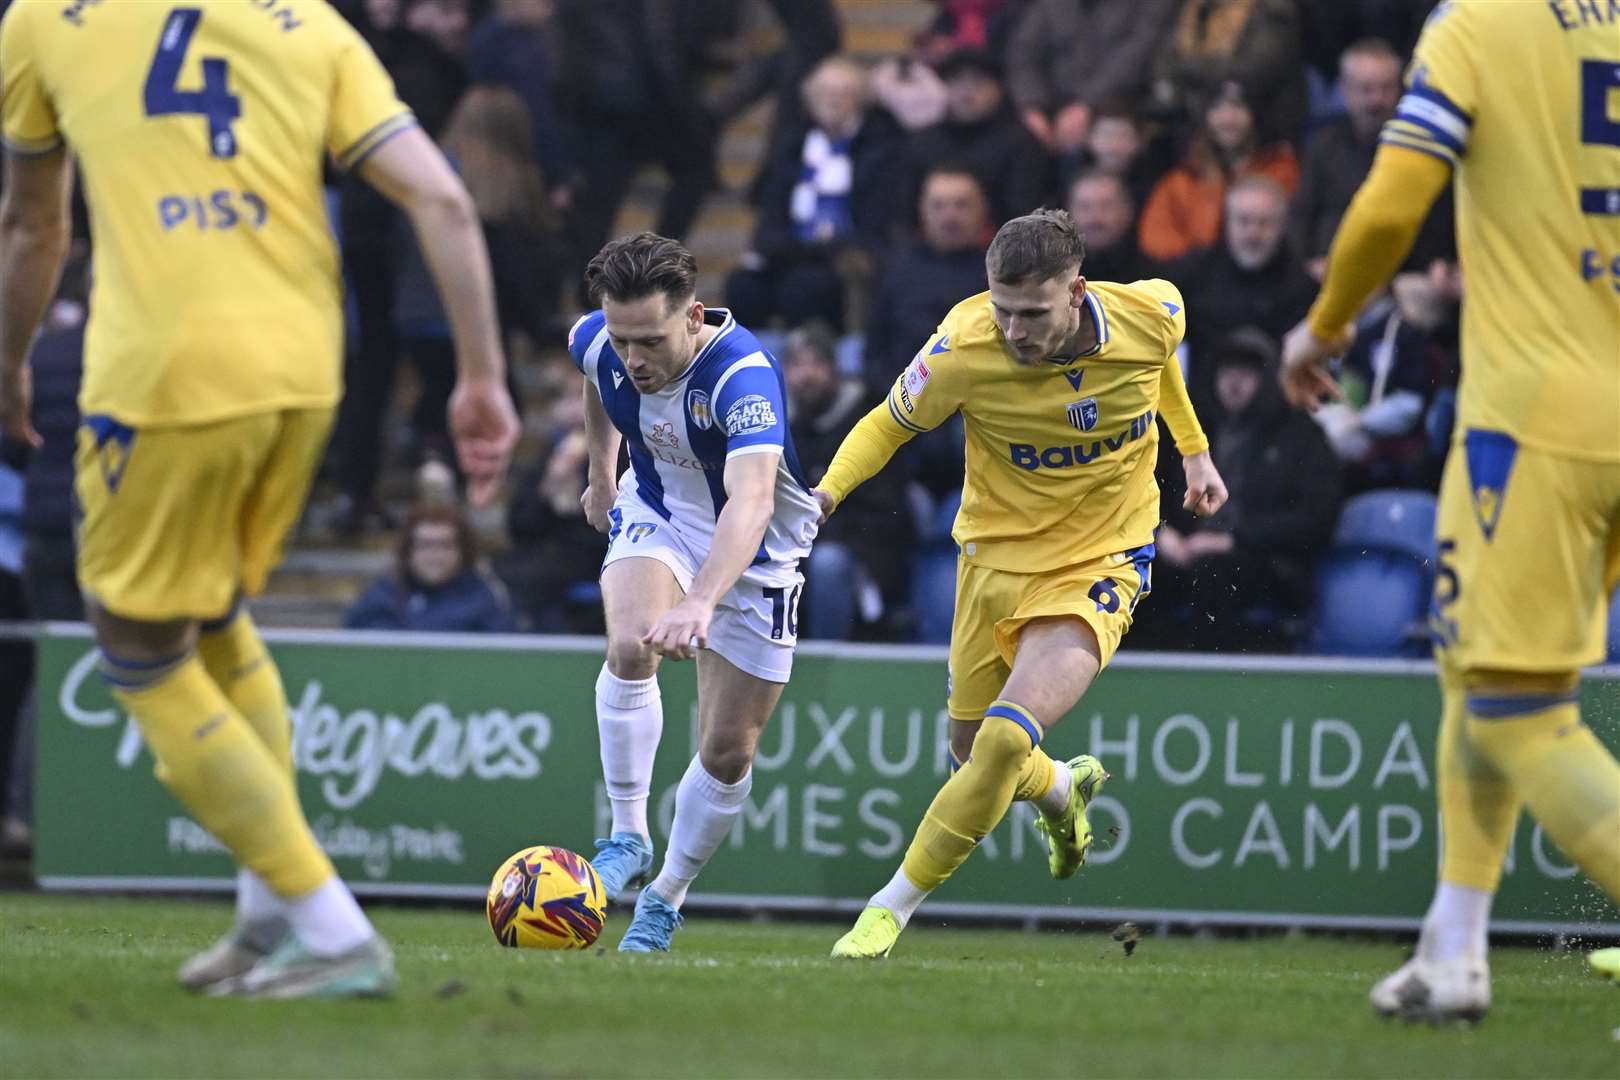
(750, 480)
(602, 441)
(863, 453)
(1206, 491)
(1373, 239)
(410, 171)
(34, 232)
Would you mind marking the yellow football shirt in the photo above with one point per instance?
(1060, 456)
(200, 130)
(1523, 100)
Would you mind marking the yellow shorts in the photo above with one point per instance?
(177, 519)
(992, 607)
(1529, 551)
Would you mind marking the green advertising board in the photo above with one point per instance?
(1244, 791)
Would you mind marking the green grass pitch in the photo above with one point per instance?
(87, 989)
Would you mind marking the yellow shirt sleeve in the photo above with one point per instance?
(1176, 409)
(927, 393)
(1175, 406)
(366, 110)
(863, 453)
(27, 118)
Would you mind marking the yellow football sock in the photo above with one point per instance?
(219, 769)
(1036, 778)
(240, 665)
(975, 799)
(1478, 807)
(1034, 781)
(1569, 782)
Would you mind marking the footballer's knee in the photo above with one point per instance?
(1494, 694)
(1007, 737)
(138, 641)
(726, 759)
(628, 658)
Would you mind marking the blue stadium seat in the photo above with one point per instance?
(1393, 520)
(851, 355)
(945, 516)
(1371, 603)
(933, 594)
(1614, 628)
(1372, 588)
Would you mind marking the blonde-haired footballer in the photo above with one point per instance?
(211, 369)
(1521, 103)
(1060, 383)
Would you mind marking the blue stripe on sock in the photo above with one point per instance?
(1510, 705)
(1018, 716)
(137, 674)
(140, 665)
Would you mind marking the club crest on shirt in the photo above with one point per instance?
(663, 434)
(1083, 414)
(697, 407)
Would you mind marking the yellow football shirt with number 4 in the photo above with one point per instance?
(200, 130)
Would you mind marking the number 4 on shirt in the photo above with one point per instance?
(214, 101)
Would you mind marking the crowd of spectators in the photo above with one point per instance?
(1212, 142)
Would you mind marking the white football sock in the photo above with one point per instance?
(1458, 923)
(327, 920)
(900, 896)
(259, 911)
(704, 811)
(630, 721)
(1055, 801)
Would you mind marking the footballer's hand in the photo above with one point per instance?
(683, 630)
(1206, 491)
(484, 426)
(16, 406)
(600, 495)
(1306, 382)
(825, 501)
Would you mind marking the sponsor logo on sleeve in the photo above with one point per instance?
(916, 376)
(750, 415)
(905, 400)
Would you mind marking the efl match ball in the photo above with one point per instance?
(546, 898)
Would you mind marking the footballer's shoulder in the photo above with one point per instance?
(970, 324)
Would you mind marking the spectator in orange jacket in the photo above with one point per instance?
(1184, 210)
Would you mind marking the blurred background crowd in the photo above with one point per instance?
(839, 166)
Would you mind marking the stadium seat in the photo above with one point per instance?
(851, 355)
(933, 594)
(1372, 588)
(1614, 628)
(1396, 520)
(945, 517)
(1371, 603)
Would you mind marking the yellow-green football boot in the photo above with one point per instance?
(1605, 964)
(871, 938)
(1068, 836)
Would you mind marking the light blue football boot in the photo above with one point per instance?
(622, 860)
(654, 924)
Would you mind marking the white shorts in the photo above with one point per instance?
(755, 626)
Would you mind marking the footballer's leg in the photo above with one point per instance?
(636, 591)
(1060, 790)
(1448, 975)
(1057, 659)
(733, 707)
